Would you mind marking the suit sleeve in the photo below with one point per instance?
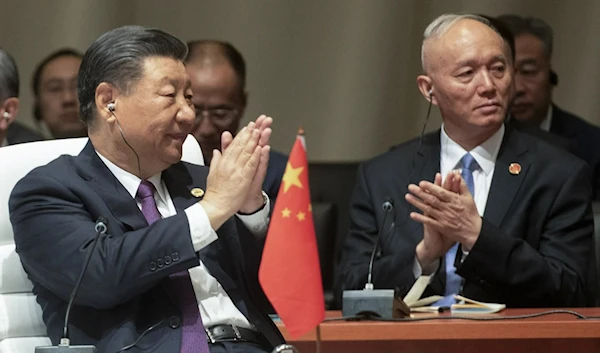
(54, 231)
(393, 268)
(551, 275)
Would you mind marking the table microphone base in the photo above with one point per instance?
(381, 303)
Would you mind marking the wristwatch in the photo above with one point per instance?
(265, 200)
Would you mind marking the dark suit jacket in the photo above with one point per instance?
(534, 245)
(126, 287)
(17, 133)
(585, 138)
(550, 137)
(275, 170)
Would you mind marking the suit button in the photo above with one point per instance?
(175, 256)
(160, 263)
(152, 266)
(167, 260)
(174, 322)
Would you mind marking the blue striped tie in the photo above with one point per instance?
(453, 280)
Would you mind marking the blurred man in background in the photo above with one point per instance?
(534, 82)
(11, 132)
(54, 84)
(218, 74)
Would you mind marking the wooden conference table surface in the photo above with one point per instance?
(558, 332)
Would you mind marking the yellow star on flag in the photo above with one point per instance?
(301, 216)
(286, 213)
(291, 177)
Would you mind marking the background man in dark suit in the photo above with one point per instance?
(534, 81)
(218, 73)
(513, 226)
(174, 258)
(11, 132)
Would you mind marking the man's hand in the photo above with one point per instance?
(254, 200)
(434, 245)
(453, 215)
(231, 175)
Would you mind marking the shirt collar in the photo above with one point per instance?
(131, 182)
(485, 154)
(545, 124)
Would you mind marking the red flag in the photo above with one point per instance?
(289, 272)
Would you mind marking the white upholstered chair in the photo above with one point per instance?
(21, 325)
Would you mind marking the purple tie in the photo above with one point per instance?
(193, 337)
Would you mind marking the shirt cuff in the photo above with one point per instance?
(201, 231)
(257, 223)
(418, 271)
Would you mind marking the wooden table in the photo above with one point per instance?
(562, 333)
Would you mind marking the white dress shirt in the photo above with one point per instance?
(213, 302)
(451, 154)
(545, 124)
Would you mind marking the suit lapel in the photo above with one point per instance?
(122, 206)
(180, 184)
(506, 184)
(426, 162)
(427, 159)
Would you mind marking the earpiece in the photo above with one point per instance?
(430, 93)
(6, 115)
(111, 108)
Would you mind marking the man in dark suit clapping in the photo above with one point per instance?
(488, 212)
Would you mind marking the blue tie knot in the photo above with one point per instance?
(469, 162)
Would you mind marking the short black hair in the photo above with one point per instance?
(37, 74)
(530, 25)
(9, 76)
(199, 49)
(117, 57)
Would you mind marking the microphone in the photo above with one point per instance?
(285, 348)
(374, 302)
(387, 206)
(65, 344)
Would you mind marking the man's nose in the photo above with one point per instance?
(519, 85)
(204, 126)
(69, 96)
(486, 85)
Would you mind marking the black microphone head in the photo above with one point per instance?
(101, 224)
(388, 204)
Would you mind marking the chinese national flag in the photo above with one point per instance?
(289, 271)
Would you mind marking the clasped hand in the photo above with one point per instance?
(237, 172)
(449, 216)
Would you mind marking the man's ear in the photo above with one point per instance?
(426, 87)
(106, 93)
(9, 109)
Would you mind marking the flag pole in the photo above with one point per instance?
(318, 338)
